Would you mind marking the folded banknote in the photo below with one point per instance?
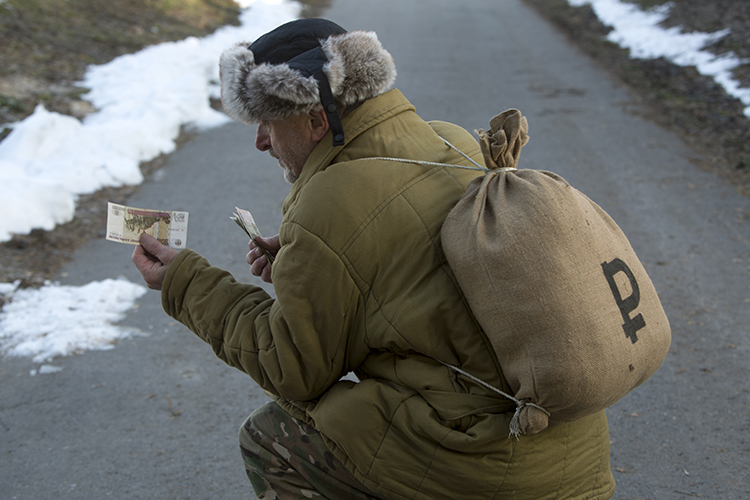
(245, 220)
(125, 225)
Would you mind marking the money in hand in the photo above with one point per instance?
(245, 220)
(125, 225)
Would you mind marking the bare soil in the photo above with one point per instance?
(47, 45)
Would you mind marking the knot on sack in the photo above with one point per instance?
(528, 419)
(501, 146)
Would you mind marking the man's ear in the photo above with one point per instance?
(318, 124)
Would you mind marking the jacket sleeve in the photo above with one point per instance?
(294, 346)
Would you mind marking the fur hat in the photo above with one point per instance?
(299, 65)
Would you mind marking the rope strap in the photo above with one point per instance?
(435, 164)
(515, 428)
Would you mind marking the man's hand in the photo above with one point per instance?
(152, 259)
(259, 265)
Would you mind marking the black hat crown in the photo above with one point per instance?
(300, 65)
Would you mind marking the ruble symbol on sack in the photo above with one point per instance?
(628, 304)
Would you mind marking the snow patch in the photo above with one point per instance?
(639, 31)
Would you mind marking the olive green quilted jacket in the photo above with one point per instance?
(362, 286)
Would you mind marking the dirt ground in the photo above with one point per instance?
(47, 45)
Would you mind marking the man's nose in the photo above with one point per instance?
(262, 139)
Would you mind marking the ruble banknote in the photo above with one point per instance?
(125, 225)
(245, 220)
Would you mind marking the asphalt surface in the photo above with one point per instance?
(157, 416)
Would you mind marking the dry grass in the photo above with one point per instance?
(47, 44)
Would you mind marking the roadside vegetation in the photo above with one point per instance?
(47, 44)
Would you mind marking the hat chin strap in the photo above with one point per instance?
(329, 105)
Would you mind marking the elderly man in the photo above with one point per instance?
(362, 285)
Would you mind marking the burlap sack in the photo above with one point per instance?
(569, 309)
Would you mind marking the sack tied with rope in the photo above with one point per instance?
(567, 305)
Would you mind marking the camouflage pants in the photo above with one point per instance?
(287, 459)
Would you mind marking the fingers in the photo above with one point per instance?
(152, 246)
(257, 258)
(271, 244)
(258, 261)
(139, 255)
(259, 265)
(151, 258)
(254, 254)
(152, 269)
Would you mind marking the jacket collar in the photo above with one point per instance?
(370, 113)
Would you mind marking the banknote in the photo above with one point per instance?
(245, 220)
(125, 225)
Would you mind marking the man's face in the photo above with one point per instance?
(288, 141)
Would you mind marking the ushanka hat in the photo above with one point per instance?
(299, 65)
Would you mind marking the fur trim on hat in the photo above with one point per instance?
(358, 68)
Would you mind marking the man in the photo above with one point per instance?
(362, 286)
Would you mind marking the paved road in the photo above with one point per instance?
(156, 417)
